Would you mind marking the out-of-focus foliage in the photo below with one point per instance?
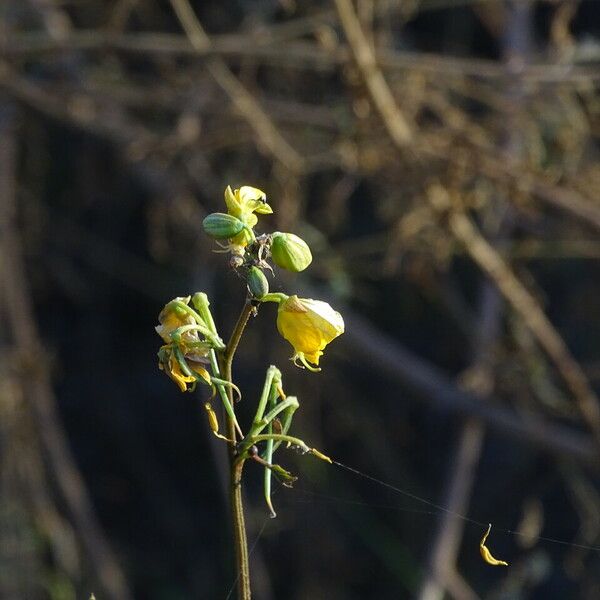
(128, 119)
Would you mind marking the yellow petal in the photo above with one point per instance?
(250, 195)
(243, 238)
(232, 200)
(308, 325)
(486, 554)
(170, 319)
(204, 374)
(264, 209)
(175, 373)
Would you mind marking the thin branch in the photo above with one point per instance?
(257, 119)
(384, 356)
(445, 547)
(39, 390)
(397, 124)
(480, 250)
(298, 54)
(524, 304)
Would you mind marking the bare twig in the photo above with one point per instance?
(39, 390)
(298, 54)
(446, 544)
(267, 132)
(523, 303)
(485, 256)
(447, 541)
(397, 125)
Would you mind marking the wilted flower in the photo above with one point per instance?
(182, 372)
(172, 317)
(308, 325)
(182, 356)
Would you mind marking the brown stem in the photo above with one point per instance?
(235, 492)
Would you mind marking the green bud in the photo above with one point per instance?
(290, 252)
(222, 226)
(257, 283)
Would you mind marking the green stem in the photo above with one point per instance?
(277, 297)
(272, 373)
(216, 341)
(223, 392)
(268, 473)
(201, 304)
(236, 466)
(289, 402)
(278, 437)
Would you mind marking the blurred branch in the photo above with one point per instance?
(298, 54)
(442, 558)
(257, 119)
(397, 124)
(485, 256)
(458, 588)
(524, 304)
(396, 361)
(445, 547)
(382, 354)
(38, 387)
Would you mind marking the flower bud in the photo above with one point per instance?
(222, 226)
(290, 252)
(257, 283)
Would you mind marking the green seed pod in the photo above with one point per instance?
(257, 283)
(222, 226)
(290, 252)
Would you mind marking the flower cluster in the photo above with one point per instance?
(308, 325)
(188, 343)
(194, 352)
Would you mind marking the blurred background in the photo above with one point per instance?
(440, 157)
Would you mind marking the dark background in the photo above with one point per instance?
(117, 137)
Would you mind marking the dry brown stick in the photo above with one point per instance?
(458, 588)
(565, 199)
(249, 108)
(399, 129)
(398, 126)
(445, 547)
(297, 53)
(24, 331)
(484, 255)
(523, 303)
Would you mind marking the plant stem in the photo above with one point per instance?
(237, 507)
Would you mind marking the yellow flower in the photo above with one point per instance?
(167, 362)
(243, 203)
(170, 319)
(308, 325)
